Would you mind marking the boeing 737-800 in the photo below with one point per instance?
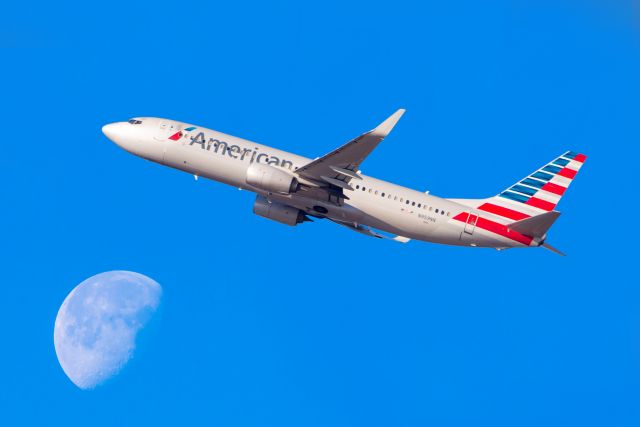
(290, 188)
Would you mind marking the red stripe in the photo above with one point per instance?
(539, 203)
(175, 136)
(502, 211)
(567, 173)
(496, 228)
(502, 230)
(462, 216)
(554, 188)
(580, 158)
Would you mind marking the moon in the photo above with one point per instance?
(96, 327)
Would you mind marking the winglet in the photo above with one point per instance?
(342, 162)
(385, 127)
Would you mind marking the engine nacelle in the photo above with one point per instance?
(278, 211)
(273, 180)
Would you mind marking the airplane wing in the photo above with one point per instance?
(340, 166)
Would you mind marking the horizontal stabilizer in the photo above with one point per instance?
(535, 226)
(552, 249)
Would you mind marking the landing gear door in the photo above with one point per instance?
(470, 225)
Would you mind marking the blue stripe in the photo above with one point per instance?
(514, 196)
(570, 154)
(522, 189)
(561, 162)
(552, 169)
(190, 128)
(542, 175)
(533, 182)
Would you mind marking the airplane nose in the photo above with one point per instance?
(119, 133)
(111, 131)
(125, 136)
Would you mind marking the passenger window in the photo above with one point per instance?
(436, 210)
(395, 197)
(442, 212)
(413, 203)
(401, 200)
(369, 190)
(407, 202)
(389, 197)
(430, 208)
(419, 205)
(363, 188)
(357, 187)
(382, 194)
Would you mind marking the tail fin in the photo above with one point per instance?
(539, 192)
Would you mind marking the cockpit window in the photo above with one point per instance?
(135, 122)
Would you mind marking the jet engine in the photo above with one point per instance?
(278, 211)
(273, 180)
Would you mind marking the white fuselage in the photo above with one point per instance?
(372, 202)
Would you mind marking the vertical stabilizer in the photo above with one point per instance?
(539, 192)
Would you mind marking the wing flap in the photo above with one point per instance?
(346, 172)
(336, 182)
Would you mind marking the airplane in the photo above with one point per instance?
(292, 189)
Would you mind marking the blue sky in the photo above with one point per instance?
(265, 325)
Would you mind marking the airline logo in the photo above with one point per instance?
(176, 136)
(543, 189)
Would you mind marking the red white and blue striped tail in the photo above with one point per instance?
(539, 192)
